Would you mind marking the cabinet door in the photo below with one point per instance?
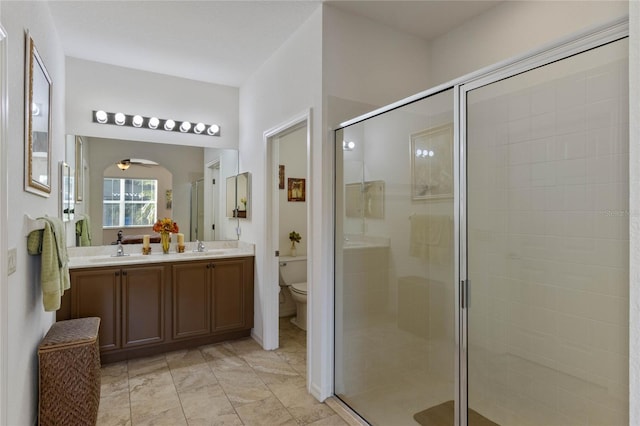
(96, 293)
(191, 299)
(228, 295)
(142, 305)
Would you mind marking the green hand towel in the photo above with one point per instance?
(83, 232)
(50, 243)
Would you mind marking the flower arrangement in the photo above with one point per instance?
(243, 200)
(294, 237)
(165, 225)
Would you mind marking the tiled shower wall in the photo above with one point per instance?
(548, 232)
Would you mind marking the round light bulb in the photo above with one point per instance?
(351, 145)
(430, 153)
(101, 117)
(213, 129)
(137, 121)
(418, 153)
(185, 126)
(169, 125)
(120, 117)
(199, 128)
(153, 122)
(35, 109)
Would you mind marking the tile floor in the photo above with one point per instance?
(230, 383)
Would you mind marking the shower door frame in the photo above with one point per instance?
(560, 49)
(596, 37)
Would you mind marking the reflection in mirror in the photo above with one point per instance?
(243, 196)
(66, 192)
(38, 123)
(185, 164)
(238, 196)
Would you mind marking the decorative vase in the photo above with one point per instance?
(293, 249)
(165, 239)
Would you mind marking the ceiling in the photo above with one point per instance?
(222, 42)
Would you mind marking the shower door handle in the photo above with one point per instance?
(464, 294)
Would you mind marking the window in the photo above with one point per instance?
(129, 202)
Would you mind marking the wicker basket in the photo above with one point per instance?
(69, 358)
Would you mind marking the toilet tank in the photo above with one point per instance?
(293, 270)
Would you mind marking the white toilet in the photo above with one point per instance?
(293, 275)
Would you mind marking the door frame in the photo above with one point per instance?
(271, 226)
(4, 280)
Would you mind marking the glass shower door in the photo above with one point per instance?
(547, 244)
(395, 287)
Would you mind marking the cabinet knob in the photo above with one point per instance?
(124, 272)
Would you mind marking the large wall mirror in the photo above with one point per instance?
(37, 154)
(128, 184)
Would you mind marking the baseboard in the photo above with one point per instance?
(316, 392)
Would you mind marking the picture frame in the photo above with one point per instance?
(79, 181)
(37, 114)
(432, 163)
(296, 190)
(281, 176)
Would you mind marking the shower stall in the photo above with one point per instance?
(482, 242)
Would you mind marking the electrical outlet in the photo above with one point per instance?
(12, 259)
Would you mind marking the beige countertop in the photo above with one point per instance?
(103, 256)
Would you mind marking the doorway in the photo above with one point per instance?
(288, 211)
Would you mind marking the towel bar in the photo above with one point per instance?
(32, 224)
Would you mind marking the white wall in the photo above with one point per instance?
(285, 86)
(511, 29)
(185, 169)
(367, 65)
(293, 214)
(92, 85)
(27, 320)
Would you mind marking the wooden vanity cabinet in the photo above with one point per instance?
(129, 301)
(191, 293)
(147, 309)
(212, 297)
(95, 292)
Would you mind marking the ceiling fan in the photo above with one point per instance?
(124, 164)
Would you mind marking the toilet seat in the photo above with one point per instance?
(300, 288)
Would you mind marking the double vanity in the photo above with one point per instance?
(159, 302)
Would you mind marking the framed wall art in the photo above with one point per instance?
(432, 163)
(295, 189)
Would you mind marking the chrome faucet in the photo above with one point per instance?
(120, 250)
(201, 247)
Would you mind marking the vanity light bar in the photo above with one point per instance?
(154, 123)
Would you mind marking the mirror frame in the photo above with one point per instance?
(67, 208)
(34, 64)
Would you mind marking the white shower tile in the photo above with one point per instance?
(519, 153)
(574, 145)
(543, 125)
(571, 120)
(554, 198)
(543, 174)
(575, 329)
(603, 85)
(603, 114)
(609, 337)
(572, 172)
(579, 224)
(519, 105)
(543, 98)
(570, 92)
(519, 130)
